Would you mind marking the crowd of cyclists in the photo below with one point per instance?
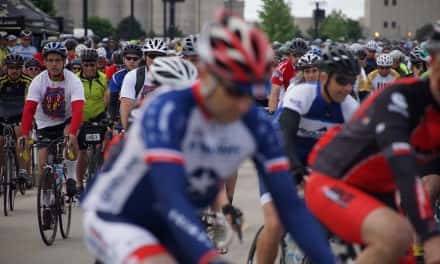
(345, 138)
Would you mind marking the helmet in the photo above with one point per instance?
(55, 47)
(132, 49)
(237, 51)
(283, 50)
(172, 71)
(89, 55)
(336, 60)
(70, 44)
(418, 55)
(189, 46)
(372, 45)
(299, 46)
(75, 61)
(26, 33)
(433, 43)
(315, 50)
(384, 60)
(276, 45)
(117, 57)
(308, 60)
(32, 63)
(155, 45)
(14, 59)
(396, 54)
(102, 53)
(79, 49)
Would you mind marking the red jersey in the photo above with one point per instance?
(110, 70)
(284, 73)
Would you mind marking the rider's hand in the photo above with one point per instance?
(431, 249)
(235, 218)
(72, 145)
(22, 142)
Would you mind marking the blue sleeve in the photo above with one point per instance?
(114, 86)
(163, 129)
(272, 165)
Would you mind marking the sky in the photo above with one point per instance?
(303, 8)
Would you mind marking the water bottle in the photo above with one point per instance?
(59, 171)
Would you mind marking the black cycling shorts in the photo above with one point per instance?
(50, 133)
(9, 120)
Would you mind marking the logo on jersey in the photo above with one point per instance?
(398, 104)
(54, 104)
(224, 148)
(202, 186)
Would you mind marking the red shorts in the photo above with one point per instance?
(339, 206)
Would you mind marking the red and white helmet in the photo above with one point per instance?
(236, 51)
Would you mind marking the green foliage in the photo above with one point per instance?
(102, 27)
(175, 32)
(129, 28)
(276, 20)
(424, 31)
(46, 6)
(337, 26)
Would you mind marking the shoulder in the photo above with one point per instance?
(26, 78)
(258, 122)
(299, 97)
(102, 77)
(349, 105)
(373, 74)
(394, 73)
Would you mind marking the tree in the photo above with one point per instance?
(338, 26)
(175, 32)
(277, 21)
(423, 32)
(102, 27)
(129, 28)
(46, 6)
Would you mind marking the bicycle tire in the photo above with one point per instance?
(12, 190)
(6, 187)
(46, 183)
(64, 214)
(253, 248)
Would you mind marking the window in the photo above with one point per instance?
(393, 24)
(385, 24)
(394, 2)
(385, 2)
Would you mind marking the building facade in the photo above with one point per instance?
(190, 14)
(397, 19)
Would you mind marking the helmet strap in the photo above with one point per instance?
(326, 86)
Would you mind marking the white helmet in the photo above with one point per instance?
(396, 54)
(102, 53)
(372, 45)
(384, 60)
(172, 71)
(155, 45)
(308, 60)
(79, 48)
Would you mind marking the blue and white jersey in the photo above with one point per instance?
(173, 163)
(116, 81)
(26, 52)
(317, 116)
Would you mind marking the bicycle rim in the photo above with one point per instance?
(6, 187)
(65, 214)
(46, 184)
(12, 170)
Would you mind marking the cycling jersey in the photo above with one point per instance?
(129, 83)
(376, 81)
(94, 92)
(384, 147)
(25, 52)
(12, 95)
(284, 73)
(4, 52)
(172, 163)
(370, 65)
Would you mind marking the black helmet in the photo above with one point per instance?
(14, 59)
(132, 49)
(299, 46)
(32, 63)
(70, 44)
(117, 57)
(89, 55)
(338, 60)
(55, 47)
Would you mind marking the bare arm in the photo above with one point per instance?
(126, 106)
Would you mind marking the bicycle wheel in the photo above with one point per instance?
(252, 256)
(64, 212)
(46, 207)
(6, 187)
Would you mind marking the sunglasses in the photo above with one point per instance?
(54, 60)
(383, 68)
(76, 68)
(32, 68)
(129, 58)
(154, 55)
(310, 70)
(345, 80)
(88, 65)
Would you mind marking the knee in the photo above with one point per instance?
(398, 235)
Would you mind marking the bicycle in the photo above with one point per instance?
(9, 170)
(53, 205)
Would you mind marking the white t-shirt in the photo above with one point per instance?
(128, 88)
(54, 98)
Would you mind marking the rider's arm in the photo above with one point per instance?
(273, 166)
(127, 96)
(77, 116)
(393, 134)
(273, 97)
(30, 107)
(167, 176)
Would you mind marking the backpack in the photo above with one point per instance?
(140, 78)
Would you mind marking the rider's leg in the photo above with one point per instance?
(431, 183)
(270, 237)
(81, 167)
(230, 186)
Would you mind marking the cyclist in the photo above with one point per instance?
(308, 65)
(196, 138)
(131, 55)
(390, 142)
(309, 110)
(25, 49)
(419, 62)
(398, 64)
(117, 63)
(75, 65)
(4, 51)
(32, 67)
(70, 45)
(136, 84)
(96, 94)
(370, 63)
(102, 59)
(189, 49)
(13, 88)
(383, 75)
(285, 72)
(56, 98)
